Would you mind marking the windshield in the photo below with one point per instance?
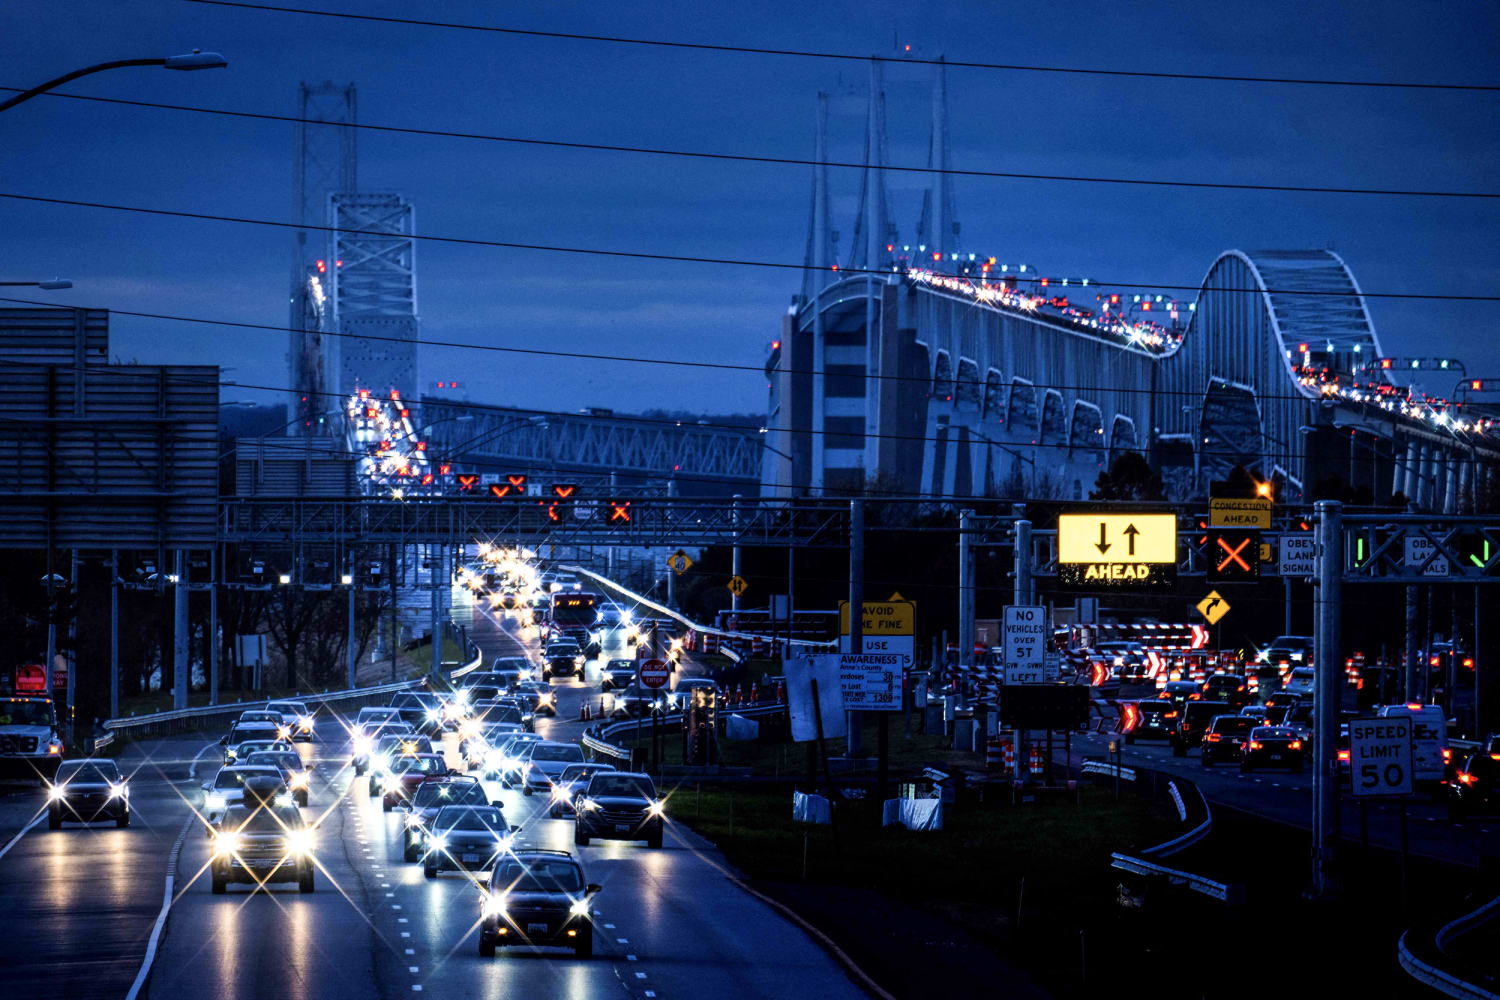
(484, 692)
(582, 772)
(377, 714)
(25, 713)
(271, 717)
(261, 819)
(287, 707)
(88, 771)
(511, 663)
(470, 818)
(456, 793)
(1155, 707)
(622, 785)
(503, 714)
(1233, 724)
(538, 875)
(562, 649)
(237, 777)
(1291, 642)
(622, 665)
(286, 761)
(423, 765)
(1272, 734)
(557, 751)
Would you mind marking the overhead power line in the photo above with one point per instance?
(849, 57)
(725, 366)
(777, 160)
(676, 258)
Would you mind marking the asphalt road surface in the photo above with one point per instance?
(82, 903)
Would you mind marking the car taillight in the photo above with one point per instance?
(1212, 737)
(1169, 715)
(1447, 755)
(1254, 744)
(1294, 745)
(1465, 778)
(1343, 755)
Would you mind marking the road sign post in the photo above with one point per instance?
(1328, 661)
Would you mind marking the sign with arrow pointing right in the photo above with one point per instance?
(1116, 549)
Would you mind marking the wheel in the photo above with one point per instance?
(385, 804)
(372, 786)
(555, 812)
(54, 819)
(1179, 749)
(218, 886)
(409, 853)
(584, 946)
(580, 838)
(122, 820)
(486, 945)
(359, 769)
(301, 798)
(526, 790)
(305, 880)
(654, 841)
(546, 675)
(429, 871)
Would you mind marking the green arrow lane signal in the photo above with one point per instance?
(1481, 563)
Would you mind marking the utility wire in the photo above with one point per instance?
(848, 57)
(759, 370)
(779, 160)
(678, 258)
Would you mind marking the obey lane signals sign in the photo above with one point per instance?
(1380, 756)
(1023, 635)
(1297, 553)
(1096, 550)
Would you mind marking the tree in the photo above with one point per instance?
(1129, 477)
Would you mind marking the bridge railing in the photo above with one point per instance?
(185, 720)
(601, 739)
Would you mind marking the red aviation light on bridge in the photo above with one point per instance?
(1114, 300)
(322, 267)
(364, 394)
(427, 479)
(444, 469)
(775, 345)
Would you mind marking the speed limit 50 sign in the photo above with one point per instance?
(1380, 756)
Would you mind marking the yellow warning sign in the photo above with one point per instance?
(894, 617)
(679, 562)
(737, 585)
(1213, 607)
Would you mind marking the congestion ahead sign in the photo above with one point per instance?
(1128, 550)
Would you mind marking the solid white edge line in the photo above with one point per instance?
(23, 831)
(161, 918)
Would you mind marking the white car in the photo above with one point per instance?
(1301, 681)
(545, 764)
(296, 718)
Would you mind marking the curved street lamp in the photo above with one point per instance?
(192, 60)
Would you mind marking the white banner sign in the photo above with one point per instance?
(903, 646)
(1297, 555)
(1024, 675)
(801, 672)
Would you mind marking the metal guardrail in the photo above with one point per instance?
(1222, 891)
(1190, 838)
(1442, 980)
(186, 719)
(1108, 770)
(600, 742)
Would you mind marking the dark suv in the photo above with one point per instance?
(86, 791)
(619, 805)
(537, 898)
(1193, 723)
(1224, 737)
(1147, 720)
(260, 842)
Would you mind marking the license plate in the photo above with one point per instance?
(1275, 756)
(622, 827)
(536, 928)
(470, 859)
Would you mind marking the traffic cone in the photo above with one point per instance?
(780, 692)
(583, 711)
(739, 695)
(754, 692)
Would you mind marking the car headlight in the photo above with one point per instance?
(285, 799)
(56, 793)
(391, 784)
(559, 793)
(507, 763)
(413, 820)
(119, 791)
(580, 907)
(226, 843)
(502, 843)
(380, 763)
(494, 760)
(495, 904)
(299, 841)
(362, 745)
(587, 804)
(306, 722)
(229, 753)
(437, 842)
(656, 809)
(214, 801)
(299, 779)
(283, 732)
(1297, 657)
(434, 715)
(54, 747)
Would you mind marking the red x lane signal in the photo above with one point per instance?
(619, 512)
(552, 514)
(1233, 554)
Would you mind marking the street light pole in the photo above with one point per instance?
(194, 60)
(49, 286)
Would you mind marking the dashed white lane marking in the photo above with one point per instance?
(394, 906)
(630, 958)
(390, 895)
(622, 940)
(411, 951)
(406, 934)
(640, 975)
(401, 920)
(411, 968)
(416, 988)
(650, 993)
(610, 926)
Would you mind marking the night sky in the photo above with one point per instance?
(598, 92)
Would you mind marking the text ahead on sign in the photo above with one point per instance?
(1116, 538)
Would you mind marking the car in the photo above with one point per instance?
(477, 735)
(236, 753)
(259, 715)
(405, 774)
(539, 899)
(431, 795)
(1181, 692)
(546, 762)
(389, 748)
(227, 788)
(296, 772)
(1287, 651)
(616, 674)
(506, 761)
(1148, 720)
(1224, 736)
(619, 805)
(501, 708)
(637, 701)
(1257, 712)
(1231, 688)
(1279, 706)
(299, 722)
(1475, 788)
(88, 790)
(1300, 681)
(538, 698)
(464, 838)
(260, 842)
(1432, 757)
(1271, 746)
(570, 784)
(424, 711)
(1192, 723)
(562, 659)
(366, 738)
(258, 731)
(581, 637)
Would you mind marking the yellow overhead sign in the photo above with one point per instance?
(882, 618)
(1231, 512)
(1116, 538)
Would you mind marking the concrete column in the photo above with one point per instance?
(1424, 476)
(966, 529)
(1465, 486)
(213, 626)
(1450, 499)
(1409, 483)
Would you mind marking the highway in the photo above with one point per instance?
(83, 901)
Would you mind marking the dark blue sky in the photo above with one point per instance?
(588, 91)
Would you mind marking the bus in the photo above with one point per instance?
(571, 609)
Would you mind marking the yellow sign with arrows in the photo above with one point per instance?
(737, 585)
(1130, 549)
(1213, 607)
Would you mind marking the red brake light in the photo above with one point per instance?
(1447, 755)
(1294, 745)
(1343, 755)
(1255, 744)
(1415, 706)
(1169, 715)
(1212, 737)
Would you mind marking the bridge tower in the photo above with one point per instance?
(324, 161)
